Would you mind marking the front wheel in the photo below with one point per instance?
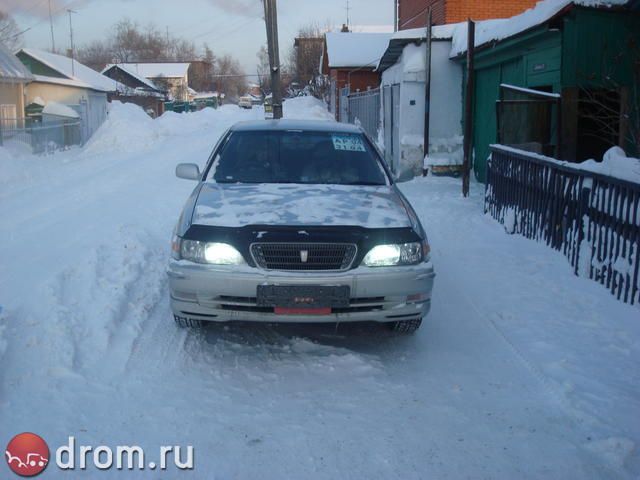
(183, 322)
(406, 326)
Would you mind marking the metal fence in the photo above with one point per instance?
(364, 110)
(593, 219)
(40, 137)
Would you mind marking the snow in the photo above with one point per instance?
(348, 49)
(78, 74)
(233, 205)
(522, 370)
(530, 91)
(157, 70)
(498, 29)
(60, 110)
(615, 163)
(438, 32)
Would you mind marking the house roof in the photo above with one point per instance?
(402, 38)
(130, 71)
(79, 75)
(349, 49)
(12, 69)
(158, 70)
(499, 29)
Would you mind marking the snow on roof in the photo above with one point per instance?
(60, 110)
(371, 28)
(498, 29)
(438, 32)
(132, 72)
(12, 69)
(157, 70)
(79, 74)
(348, 49)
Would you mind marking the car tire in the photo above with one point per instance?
(406, 327)
(183, 322)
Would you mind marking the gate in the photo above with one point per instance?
(344, 105)
(364, 110)
(391, 124)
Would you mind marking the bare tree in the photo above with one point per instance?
(96, 55)
(303, 61)
(230, 77)
(10, 34)
(263, 70)
(612, 109)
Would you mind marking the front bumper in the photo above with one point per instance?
(224, 293)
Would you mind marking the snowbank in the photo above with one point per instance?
(127, 127)
(615, 163)
(306, 108)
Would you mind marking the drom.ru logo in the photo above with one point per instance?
(27, 454)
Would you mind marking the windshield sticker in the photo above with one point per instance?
(351, 143)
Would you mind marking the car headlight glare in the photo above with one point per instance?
(395, 254)
(212, 253)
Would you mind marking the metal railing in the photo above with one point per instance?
(593, 219)
(364, 110)
(40, 137)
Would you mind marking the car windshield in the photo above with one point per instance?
(295, 156)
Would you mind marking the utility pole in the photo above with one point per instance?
(348, 8)
(53, 41)
(395, 15)
(427, 82)
(71, 40)
(468, 109)
(271, 21)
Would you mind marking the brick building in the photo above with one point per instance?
(413, 13)
(349, 60)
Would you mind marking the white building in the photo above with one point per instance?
(403, 101)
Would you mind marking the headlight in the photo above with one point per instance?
(397, 254)
(212, 253)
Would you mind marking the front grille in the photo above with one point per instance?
(303, 256)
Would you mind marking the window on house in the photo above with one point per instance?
(528, 118)
(598, 122)
(8, 116)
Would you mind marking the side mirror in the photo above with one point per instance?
(188, 171)
(404, 176)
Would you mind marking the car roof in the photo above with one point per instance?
(287, 124)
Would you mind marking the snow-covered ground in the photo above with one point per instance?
(522, 370)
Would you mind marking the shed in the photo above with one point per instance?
(66, 81)
(171, 77)
(580, 53)
(135, 88)
(403, 101)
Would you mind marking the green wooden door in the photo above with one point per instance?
(484, 125)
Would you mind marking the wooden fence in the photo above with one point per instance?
(593, 219)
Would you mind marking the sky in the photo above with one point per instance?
(228, 26)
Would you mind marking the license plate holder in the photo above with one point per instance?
(303, 296)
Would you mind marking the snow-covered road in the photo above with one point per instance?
(521, 370)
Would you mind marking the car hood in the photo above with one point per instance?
(238, 205)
